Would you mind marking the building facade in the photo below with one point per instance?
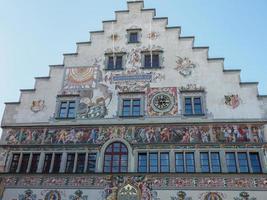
(137, 113)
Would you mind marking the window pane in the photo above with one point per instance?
(231, 162)
(24, 163)
(63, 113)
(142, 162)
(147, 61)
(190, 162)
(47, 163)
(110, 62)
(215, 162)
(34, 163)
(255, 163)
(91, 163)
(57, 161)
(243, 162)
(164, 162)
(155, 61)
(204, 161)
(197, 105)
(80, 163)
(119, 62)
(188, 106)
(14, 163)
(70, 163)
(153, 162)
(179, 162)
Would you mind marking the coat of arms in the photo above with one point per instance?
(244, 196)
(28, 195)
(78, 195)
(232, 100)
(184, 66)
(37, 105)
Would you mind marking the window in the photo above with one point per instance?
(243, 162)
(24, 163)
(34, 163)
(142, 162)
(204, 162)
(152, 59)
(116, 158)
(231, 162)
(47, 163)
(153, 162)
(184, 162)
(189, 162)
(164, 162)
(57, 161)
(80, 163)
(70, 162)
(14, 163)
(91, 165)
(179, 162)
(131, 107)
(193, 106)
(255, 162)
(67, 110)
(115, 62)
(133, 37)
(215, 162)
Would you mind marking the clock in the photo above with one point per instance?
(162, 102)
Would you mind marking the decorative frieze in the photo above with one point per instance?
(151, 182)
(227, 133)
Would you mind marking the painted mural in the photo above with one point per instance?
(146, 185)
(232, 100)
(53, 195)
(153, 35)
(37, 105)
(184, 66)
(94, 95)
(28, 195)
(162, 101)
(245, 196)
(78, 195)
(138, 134)
(212, 196)
(181, 195)
(133, 78)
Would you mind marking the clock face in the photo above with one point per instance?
(162, 102)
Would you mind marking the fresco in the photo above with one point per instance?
(87, 82)
(244, 196)
(212, 196)
(162, 101)
(53, 195)
(37, 105)
(184, 66)
(153, 35)
(181, 195)
(78, 195)
(232, 101)
(25, 136)
(28, 195)
(148, 185)
(138, 134)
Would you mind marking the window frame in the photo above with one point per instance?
(235, 162)
(131, 31)
(66, 99)
(114, 154)
(115, 55)
(185, 164)
(193, 94)
(131, 96)
(159, 53)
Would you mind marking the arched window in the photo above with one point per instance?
(116, 158)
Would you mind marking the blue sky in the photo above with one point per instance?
(35, 34)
